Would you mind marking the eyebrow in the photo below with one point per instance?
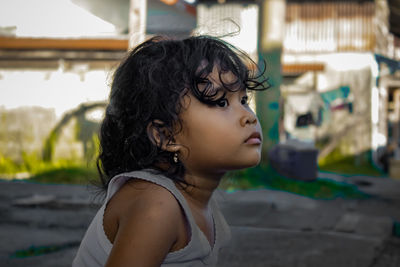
(226, 91)
(236, 86)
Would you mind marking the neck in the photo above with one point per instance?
(201, 188)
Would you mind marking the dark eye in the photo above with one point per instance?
(245, 100)
(222, 103)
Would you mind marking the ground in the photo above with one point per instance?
(42, 225)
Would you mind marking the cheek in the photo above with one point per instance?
(206, 145)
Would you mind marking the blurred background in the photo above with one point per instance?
(333, 106)
(328, 186)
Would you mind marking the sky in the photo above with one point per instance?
(48, 18)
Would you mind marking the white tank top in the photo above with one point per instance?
(95, 246)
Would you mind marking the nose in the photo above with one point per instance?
(248, 118)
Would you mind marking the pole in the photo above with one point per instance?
(137, 22)
(272, 21)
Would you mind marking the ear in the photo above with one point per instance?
(161, 136)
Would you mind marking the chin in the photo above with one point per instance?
(252, 162)
(255, 163)
(256, 159)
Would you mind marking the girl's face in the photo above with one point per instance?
(221, 137)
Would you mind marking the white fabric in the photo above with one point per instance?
(95, 246)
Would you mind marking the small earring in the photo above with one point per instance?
(176, 157)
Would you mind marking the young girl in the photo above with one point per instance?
(178, 119)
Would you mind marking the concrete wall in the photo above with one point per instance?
(23, 130)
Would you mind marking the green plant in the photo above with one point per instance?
(349, 164)
(71, 171)
(267, 177)
(8, 166)
(66, 175)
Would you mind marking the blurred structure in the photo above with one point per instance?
(236, 22)
(333, 65)
(339, 58)
(329, 26)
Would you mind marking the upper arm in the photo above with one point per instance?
(147, 229)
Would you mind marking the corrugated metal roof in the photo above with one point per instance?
(318, 26)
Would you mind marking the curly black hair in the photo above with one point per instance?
(147, 89)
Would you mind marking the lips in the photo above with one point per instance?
(254, 139)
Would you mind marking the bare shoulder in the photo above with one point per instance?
(138, 198)
(146, 197)
(143, 222)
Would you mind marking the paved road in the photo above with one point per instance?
(42, 225)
